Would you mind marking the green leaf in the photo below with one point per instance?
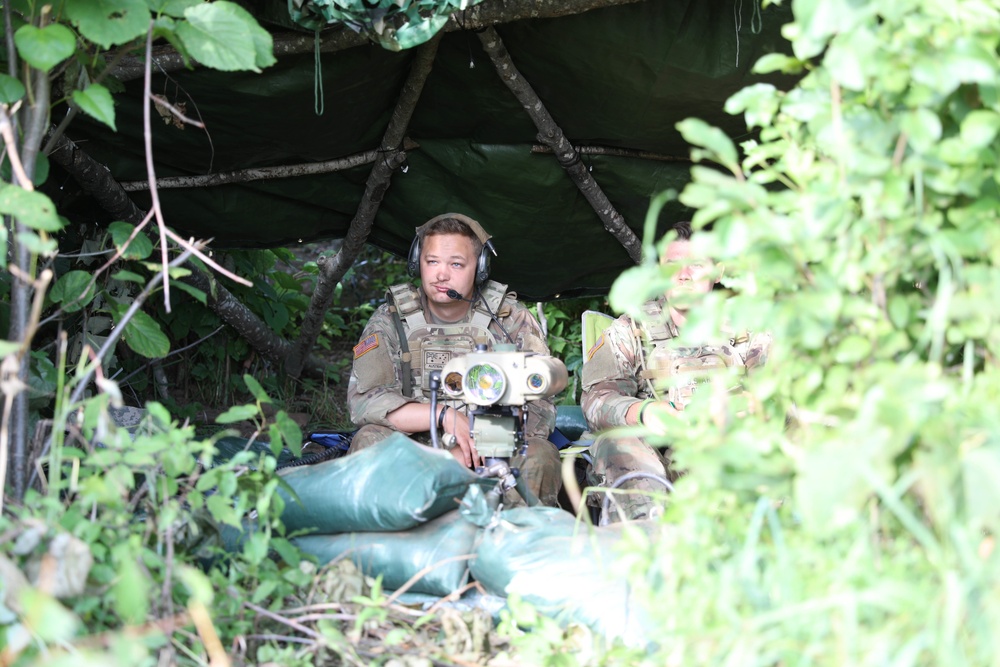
(139, 248)
(44, 48)
(852, 350)
(145, 337)
(11, 90)
(224, 36)
(175, 8)
(198, 585)
(222, 510)
(109, 22)
(129, 276)
(50, 620)
(777, 62)
(8, 347)
(193, 291)
(74, 290)
(287, 551)
(131, 591)
(95, 101)
(41, 169)
(717, 145)
(979, 128)
(923, 128)
(290, 432)
(237, 413)
(256, 390)
(33, 209)
(36, 244)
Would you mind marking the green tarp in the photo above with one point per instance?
(617, 78)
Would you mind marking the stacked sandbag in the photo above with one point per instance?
(439, 551)
(563, 567)
(391, 486)
(391, 508)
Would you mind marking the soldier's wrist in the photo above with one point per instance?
(440, 417)
(642, 410)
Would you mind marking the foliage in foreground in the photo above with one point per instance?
(845, 511)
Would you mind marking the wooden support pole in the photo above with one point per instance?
(332, 270)
(263, 173)
(550, 134)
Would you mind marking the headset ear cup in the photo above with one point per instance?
(483, 267)
(413, 258)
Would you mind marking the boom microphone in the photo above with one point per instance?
(454, 294)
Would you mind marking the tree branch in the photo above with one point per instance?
(96, 180)
(264, 173)
(332, 270)
(550, 134)
(167, 59)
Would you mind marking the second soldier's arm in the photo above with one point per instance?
(610, 378)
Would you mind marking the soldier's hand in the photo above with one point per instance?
(464, 450)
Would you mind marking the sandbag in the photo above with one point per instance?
(394, 485)
(441, 542)
(564, 568)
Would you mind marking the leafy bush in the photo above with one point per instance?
(844, 511)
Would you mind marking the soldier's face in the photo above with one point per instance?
(447, 263)
(692, 279)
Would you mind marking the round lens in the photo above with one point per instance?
(485, 384)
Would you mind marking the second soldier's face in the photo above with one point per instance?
(447, 263)
(692, 279)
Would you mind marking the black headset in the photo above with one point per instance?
(482, 264)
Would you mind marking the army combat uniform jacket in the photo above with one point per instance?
(377, 384)
(630, 359)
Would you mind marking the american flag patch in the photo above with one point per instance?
(595, 348)
(366, 345)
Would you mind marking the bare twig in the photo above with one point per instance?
(162, 101)
(295, 625)
(209, 637)
(422, 573)
(147, 136)
(550, 134)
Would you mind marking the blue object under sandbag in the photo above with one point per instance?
(564, 568)
(394, 485)
(442, 547)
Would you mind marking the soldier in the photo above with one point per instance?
(634, 370)
(419, 330)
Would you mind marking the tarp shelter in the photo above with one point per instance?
(616, 79)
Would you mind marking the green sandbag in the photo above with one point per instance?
(440, 543)
(564, 568)
(394, 485)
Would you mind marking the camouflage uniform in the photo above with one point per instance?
(377, 385)
(621, 370)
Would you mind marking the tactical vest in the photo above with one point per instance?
(673, 372)
(427, 346)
